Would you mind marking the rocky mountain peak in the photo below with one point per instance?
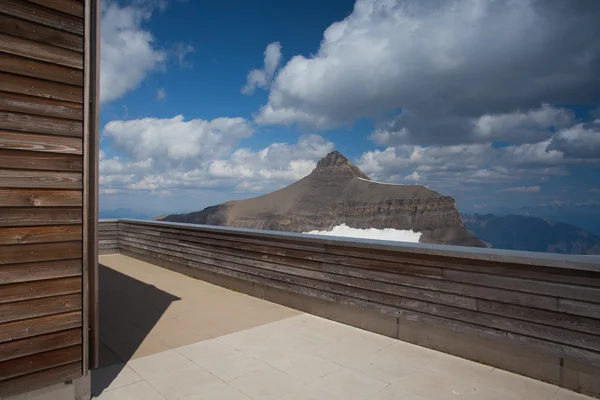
(335, 164)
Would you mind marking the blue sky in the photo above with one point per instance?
(497, 105)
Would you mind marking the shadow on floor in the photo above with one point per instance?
(129, 309)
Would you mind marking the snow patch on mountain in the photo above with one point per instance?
(382, 183)
(378, 234)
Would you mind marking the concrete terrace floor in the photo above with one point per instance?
(168, 336)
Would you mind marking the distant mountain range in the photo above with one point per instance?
(584, 215)
(519, 232)
(337, 192)
(123, 213)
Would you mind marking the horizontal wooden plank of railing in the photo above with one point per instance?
(378, 293)
(377, 249)
(421, 264)
(447, 291)
(549, 304)
(483, 331)
(464, 283)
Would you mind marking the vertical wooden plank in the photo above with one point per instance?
(90, 185)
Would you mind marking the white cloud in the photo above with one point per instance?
(518, 126)
(531, 154)
(175, 140)
(424, 160)
(384, 137)
(376, 234)
(128, 51)
(579, 141)
(521, 189)
(452, 166)
(110, 191)
(446, 65)
(172, 153)
(262, 77)
(277, 162)
(413, 177)
(161, 94)
(594, 190)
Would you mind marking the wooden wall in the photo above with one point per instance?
(43, 190)
(546, 307)
(108, 237)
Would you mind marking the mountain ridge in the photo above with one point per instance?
(519, 232)
(338, 192)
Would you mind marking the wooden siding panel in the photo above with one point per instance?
(579, 308)
(560, 319)
(40, 179)
(526, 285)
(303, 251)
(43, 322)
(37, 124)
(16, 159)
(400, 277)
(28, 30)
(72, 7)
(38, 106)
(17, 66)
(393, 262)
(39, 326)
(40, 234)
(41, 88)
(39, 362)
(40, 51)
(40, 216)
(39, 271)
(40, 379)
(33, 290)
(39, 344)
(37, 198)
(43, 143)
(42, 15)
(25, 253)
(39, 307)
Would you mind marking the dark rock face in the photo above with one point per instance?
(336, 193)
(518, 232)
(336, 166)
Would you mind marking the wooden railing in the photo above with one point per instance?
(531, 313)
